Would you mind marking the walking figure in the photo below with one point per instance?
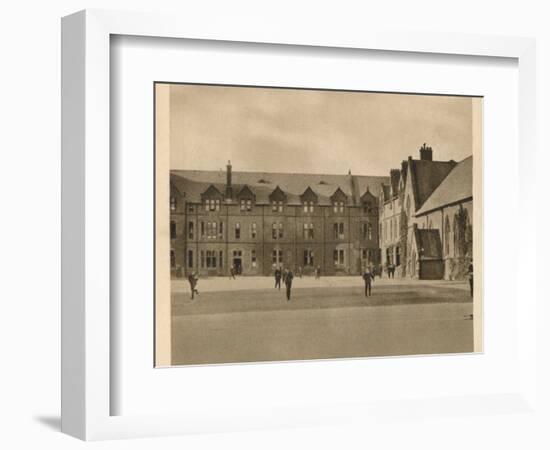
(368, 278)
(318, 272)
(232, 272)
(193, 280)
(471, 278)
(278, 278)
(300, 271)
(285, 273)
(288, 282)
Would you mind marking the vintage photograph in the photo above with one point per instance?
(299, 224)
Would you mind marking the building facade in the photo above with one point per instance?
(426, 218)
(255, 222)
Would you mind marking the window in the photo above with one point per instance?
(366, 230)
(211, 204)
(338, 257)
(221, 258)
(338, 207)
(202, 259)
(367, 208)
(339, 230)
(191, 208)
(277, 257)
(253, 258)
(210, 259)
(277, 206)
(389, 255)
(172, 259)
(246, 205)
(308, 207)
(253, 230)
(237, 230)
(172, 229)
(202, 230)
(308, 257)
(173, 203)
(190, 259)
(308, 231)
(190, 230)
(220, 234)
(212, 230)
(277, 231)
(447, 234)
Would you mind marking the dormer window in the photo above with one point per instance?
(277, 206)
(173, 203)
(277, 199)
(338, 200)
(246, 205)
(338, 207)
(308, 206)
(212, 204)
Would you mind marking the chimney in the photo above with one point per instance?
(228, 186)
(426, 153)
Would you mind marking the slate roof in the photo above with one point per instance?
(430, 242)
(456, 186)
(194, 182)
(427, 175)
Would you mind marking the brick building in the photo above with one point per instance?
(256, 221)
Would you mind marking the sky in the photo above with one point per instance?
(312, 131)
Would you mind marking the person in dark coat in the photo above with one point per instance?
(278, 278)
(285, 272)
(471, 278)
(368, 278)
(193, 280)
(288, 282)
(232, 272)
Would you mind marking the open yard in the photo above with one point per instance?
(246, 319)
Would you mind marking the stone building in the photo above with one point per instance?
(255, 221)
(425, 218)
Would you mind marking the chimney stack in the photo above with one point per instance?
(426, 153)
(228, 186)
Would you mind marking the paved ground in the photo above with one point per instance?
(248, 320)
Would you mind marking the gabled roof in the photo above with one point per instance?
(246, 193)
(308, 195)
(212, 191)
(457, 186)
(367, 196)
(428, 244)
(263, 184)
(339, 196)
(277, 195)
(426, 176)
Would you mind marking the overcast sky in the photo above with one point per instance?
(307, 131)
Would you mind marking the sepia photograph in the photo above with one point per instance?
(300, 224)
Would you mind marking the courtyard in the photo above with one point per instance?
(247, 319)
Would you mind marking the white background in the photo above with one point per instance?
(29, 183)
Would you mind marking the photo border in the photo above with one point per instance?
(86, 193)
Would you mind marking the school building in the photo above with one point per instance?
(256, 221)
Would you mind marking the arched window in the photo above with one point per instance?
(447, 234)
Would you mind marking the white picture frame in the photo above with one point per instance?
(86, 324)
